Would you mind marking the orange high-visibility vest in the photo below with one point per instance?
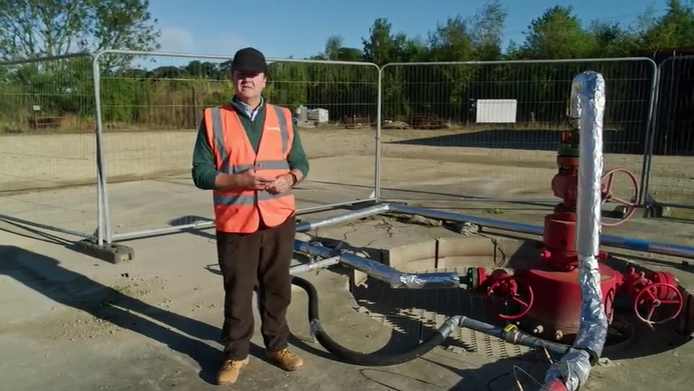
(241, 211)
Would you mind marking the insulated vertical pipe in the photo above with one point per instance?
(588, 89)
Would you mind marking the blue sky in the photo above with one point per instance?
(300, 28)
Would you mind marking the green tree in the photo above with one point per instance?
(558, 33)
(675, 28)
(333, 48)
(162, 97)
(47, 28)
(487, 30)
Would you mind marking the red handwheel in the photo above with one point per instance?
(510, 292)
(608, 196)
(655, 296)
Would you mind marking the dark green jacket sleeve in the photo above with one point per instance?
(204, 169)
(297, 157)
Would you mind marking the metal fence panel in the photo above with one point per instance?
(670, 181)
(433, 148)
(150, 115)
(47, 144)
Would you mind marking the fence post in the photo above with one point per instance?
(104, 233)
(379, 122)
(102, 247)
(650, 139)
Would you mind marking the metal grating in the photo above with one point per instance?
(417, 313)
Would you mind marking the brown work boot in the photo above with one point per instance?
(286, 360)
(229, 373)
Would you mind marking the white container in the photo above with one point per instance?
(318, 115)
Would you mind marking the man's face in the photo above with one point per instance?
(248, 85)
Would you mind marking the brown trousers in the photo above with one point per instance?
(259, 262)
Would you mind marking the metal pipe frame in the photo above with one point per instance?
(313, 266)
(377, 270)
(210, 223)
(626, 243)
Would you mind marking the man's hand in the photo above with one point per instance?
(245, 180)
(250, 179)
(281, 184)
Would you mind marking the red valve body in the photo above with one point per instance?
(556, 310)
(560, 226)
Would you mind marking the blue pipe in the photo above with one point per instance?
(605, 240)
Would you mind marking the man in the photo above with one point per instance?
(249, 154)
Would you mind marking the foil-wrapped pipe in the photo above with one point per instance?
(574, 368)
(395, 278)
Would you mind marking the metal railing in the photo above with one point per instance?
(148, 126)
(121, 158)
(668, 180)
(48, 152)
(459, 151)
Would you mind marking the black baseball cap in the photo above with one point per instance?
(249, 60)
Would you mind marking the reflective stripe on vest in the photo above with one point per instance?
(238, 199)
(241, 211)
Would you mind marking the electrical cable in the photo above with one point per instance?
(518, 383)
(503, 375)
(515, 367)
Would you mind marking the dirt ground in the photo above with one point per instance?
(70, 322)
(421, 166)
(514, 163)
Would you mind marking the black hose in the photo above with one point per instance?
(350, 356)
(509, 334)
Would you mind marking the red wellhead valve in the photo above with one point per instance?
(656, 297)
(507, 296)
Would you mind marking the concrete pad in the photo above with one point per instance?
(162, 317)
(152, 324)
(414, 256)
